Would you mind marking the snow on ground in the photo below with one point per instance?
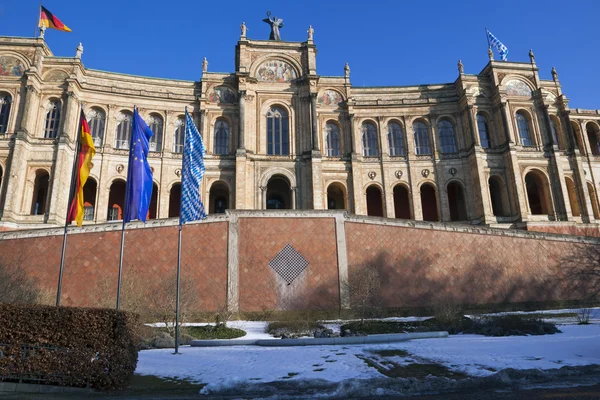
(472, 354)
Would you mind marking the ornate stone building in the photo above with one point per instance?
(498, 148)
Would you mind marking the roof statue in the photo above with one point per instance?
(79, 50)
(204, 65)
(310, 32)
(243, 28)
(276, 24)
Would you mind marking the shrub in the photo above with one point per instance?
(293, 328)
(511, 325)
(214, 332)
(73, 346)
(16, 287)
(162, 340)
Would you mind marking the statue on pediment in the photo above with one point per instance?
(276, 24)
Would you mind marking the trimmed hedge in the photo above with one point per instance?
(68, 346)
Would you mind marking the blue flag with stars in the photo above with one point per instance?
(192, 172)
(138, 190)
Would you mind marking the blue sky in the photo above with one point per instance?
(386, 43)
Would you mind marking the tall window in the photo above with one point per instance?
(421, 138)
(447, 138)
(332, 139)
(484, 135)
(221, 137)
(96, 120)
(395, 140)
(369, 139)
(179, 136)
(155, 122)
(124, 121)
(5, 102)
(524, 131)
(52, 120)
(278, 142)
(554, 130)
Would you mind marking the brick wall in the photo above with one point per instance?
(419, 263)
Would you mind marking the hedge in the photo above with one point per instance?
(70, 346)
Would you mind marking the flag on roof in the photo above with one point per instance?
(48, 20)
(494, 42)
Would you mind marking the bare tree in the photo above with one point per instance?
(15, 285)
(364, 287)
(580, 272)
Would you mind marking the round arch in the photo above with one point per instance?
(374, 197)
(498, 196)
(218, 197)
(402, 200)
(593, 134)
(280, 57)
(572, 192)
(268, 174)
(278, 193)
(538, 192)
(455, 190)
(429, 204)
(593, 199)
(337, 196)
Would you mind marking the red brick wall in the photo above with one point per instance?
(260, 239)
(150, 256)
(421, 266)
(575, 230)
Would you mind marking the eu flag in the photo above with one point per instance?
(138, 191)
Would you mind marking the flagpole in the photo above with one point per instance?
(74, 174)
(37, 25)
(179, 245)
(487, 37)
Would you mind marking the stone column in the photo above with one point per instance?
(508, 131)
(263, 197)
(313, 113)
(31, 102)
(242, 123)
(233, 293)
(293, 197)
(473, 128)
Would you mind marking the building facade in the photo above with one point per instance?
(498, 148)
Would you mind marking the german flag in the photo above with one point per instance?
(48, 20)
(83, 167)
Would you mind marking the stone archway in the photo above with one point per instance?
(175, 200)
(401, 202)
(336, 196)
(538, 194)
(40, 192)
(374, 201)
(218, 198)
(456, 202)
(499, 208)
(278, 194)
(429, 202)
(575, 209)
(116, 200)
(89, 199)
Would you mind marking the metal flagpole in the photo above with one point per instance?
(74, 174)
(179, 243)
(125, 209)
(487, 37)
(38, 20)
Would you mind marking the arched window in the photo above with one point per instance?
(421, 138)
(524, 131)
(447, 139)
(155, 122)
(593, 133)
(221, 137)
(124, 120)
(395, 139)
(484, 134)
(369, 139)
(52, 120)
(179, 139)
(554, 128)
(332, 139)
(96, 120)
(5, 102)
(278, 142)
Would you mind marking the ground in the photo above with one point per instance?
(455, 363)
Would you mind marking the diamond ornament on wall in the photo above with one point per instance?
(288, 264)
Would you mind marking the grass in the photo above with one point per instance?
(161, 387)
(210, 332)
(413, 370)
(391, 353)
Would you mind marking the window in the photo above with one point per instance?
(88, 213)
(395, 140)
(155, 122)
(113, 214)
(369, 139)
(52, 120)
(524, 131)
(332, 139)
(482, 127)
(447, 139)
(554, 129)
(124, 121)
(421, 139)
(221, 137)
(179, 136)
(277, 132)
(5, 102)
(96, 120)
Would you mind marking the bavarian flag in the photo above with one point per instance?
(84, 165)
(48, 20)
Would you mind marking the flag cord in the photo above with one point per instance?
(74, 174)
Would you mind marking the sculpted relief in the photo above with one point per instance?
(275, 71)
(10, 66)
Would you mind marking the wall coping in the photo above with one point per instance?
(359, 219)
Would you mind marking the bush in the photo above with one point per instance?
(16, 287)
(511, 325)
(163, 340)
(72, 346)
(214, 332)
(293, 328)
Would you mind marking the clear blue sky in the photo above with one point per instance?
(386, 43)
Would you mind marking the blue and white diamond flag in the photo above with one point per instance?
(494, 42)
(192, 208)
